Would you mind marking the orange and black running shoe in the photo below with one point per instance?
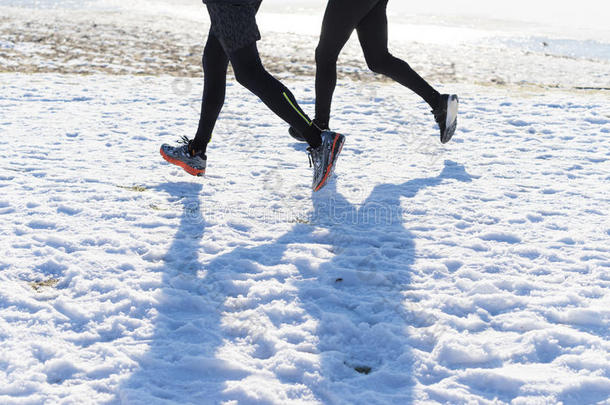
(183, 156)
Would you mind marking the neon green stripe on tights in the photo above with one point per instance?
(296, 109)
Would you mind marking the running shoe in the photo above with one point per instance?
(324, 157)
(446, 116)
(184, 156)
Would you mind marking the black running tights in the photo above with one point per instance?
(251, 74)
(369, 19)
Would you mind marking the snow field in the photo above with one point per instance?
(471, 273)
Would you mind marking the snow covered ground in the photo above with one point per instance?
(476, 272)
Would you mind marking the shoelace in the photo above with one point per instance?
(186, 141)
(311, 151)
(309, 157)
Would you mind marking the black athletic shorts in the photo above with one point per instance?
(234, 24)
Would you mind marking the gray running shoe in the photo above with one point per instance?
(324, 157)
(182, 156)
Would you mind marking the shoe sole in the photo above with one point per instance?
(333, 160)
(451, 120)
(190, 170)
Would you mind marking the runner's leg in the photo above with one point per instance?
(251, 74)
(215, 63)
(373, 35)
(340, 20)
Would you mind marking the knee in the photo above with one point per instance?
(206, 62)
(325, 56)
(246, 74)
(212, 60)
(378, 62)
(242, 76)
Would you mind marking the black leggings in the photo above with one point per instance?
(369, 19)
(251, 74)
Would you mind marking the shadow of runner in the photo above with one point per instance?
(321, 308)
(180, 365)
(365, 352)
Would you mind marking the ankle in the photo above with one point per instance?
(322, 124)
(311, 134)
(437, 101)
(195, 150)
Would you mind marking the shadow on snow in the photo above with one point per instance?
(341, 278)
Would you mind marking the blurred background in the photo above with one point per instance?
(541, 43)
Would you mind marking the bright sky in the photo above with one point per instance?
(585, 12)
